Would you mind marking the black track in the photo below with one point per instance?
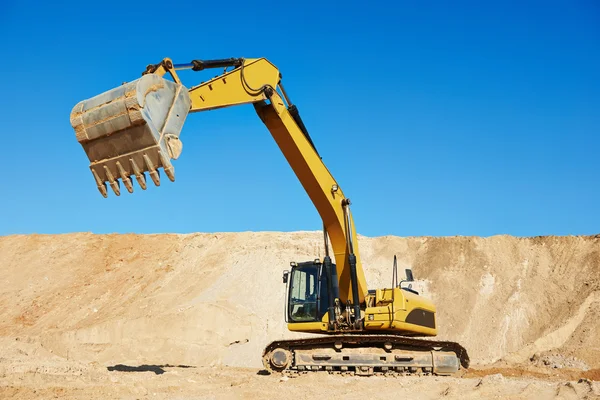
(373, 339)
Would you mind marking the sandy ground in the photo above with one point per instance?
(186, 316)
(161, 382)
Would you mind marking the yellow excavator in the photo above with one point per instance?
(135, 129)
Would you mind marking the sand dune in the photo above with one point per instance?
(75, 300)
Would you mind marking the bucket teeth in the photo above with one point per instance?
(141, 180)
(125, 178)
(153, 171)
(114, 184)
(139, 175)
(116, 187)
(103, 190)
(155, 175)
(101, 185)
(169, 170)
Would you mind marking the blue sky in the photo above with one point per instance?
(436, 118)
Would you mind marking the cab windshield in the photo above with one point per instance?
(303, 296)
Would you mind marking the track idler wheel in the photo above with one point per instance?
(277, 360)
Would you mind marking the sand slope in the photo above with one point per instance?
(217, 299)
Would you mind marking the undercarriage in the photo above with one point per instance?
(365, 355)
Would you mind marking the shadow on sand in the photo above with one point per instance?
(157, 369)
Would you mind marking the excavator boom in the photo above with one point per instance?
(135, 128)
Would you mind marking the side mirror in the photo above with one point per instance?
(285, 276)
(409, 275)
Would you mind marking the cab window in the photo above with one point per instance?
(303, 294)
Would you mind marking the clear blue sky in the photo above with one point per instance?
(437, 118)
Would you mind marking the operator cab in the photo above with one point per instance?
(307, 296)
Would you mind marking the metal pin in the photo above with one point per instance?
(114, 184)
(139, 175)
(169, 170)
(153, 171)
(101, 185)
(125, 178)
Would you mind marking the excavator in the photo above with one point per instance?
(135, 129)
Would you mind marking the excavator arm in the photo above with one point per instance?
(135, 129)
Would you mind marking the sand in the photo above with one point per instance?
(187, 316)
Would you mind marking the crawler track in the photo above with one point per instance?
(365, 355)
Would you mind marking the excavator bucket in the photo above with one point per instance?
(131, 130)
